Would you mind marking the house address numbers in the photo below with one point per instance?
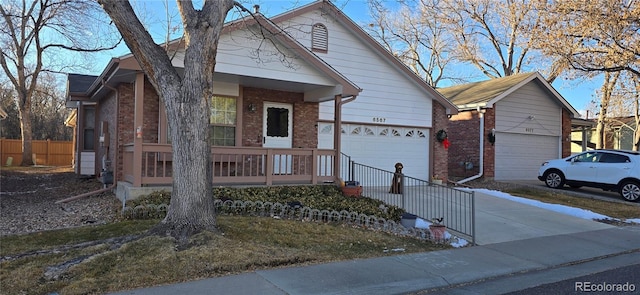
(379, 120)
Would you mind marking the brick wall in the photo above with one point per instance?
(440, 156)
(566, 133)
(151, 114)
(305, 117)
(489, 149)
(464, 134)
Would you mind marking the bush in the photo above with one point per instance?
(322, 197)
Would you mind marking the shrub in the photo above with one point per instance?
(322, 197)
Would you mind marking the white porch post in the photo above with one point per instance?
(584, 138)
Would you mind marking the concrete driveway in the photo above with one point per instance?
(501, 220)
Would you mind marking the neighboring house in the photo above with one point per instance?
(581, 130)
(3, 114)
(618, 134)
(276, 107)
(525, 122)
(622, 131)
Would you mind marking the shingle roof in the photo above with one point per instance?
(80, 83)
(482, 92)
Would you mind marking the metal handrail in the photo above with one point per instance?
(422, 198)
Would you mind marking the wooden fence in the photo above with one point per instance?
(47, 152)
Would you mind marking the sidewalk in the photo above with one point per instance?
(423, 271)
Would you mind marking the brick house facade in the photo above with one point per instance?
(530, 122)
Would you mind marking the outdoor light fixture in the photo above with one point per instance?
(252, 108)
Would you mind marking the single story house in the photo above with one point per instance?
(276, 110)
(507, 127)
(618, 131)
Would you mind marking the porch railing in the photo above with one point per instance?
(422, 198)
(235, 165)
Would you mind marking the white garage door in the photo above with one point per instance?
(382, 146)
(518, 156)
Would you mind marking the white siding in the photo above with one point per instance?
(238, 54)
(529, 110)
(388, 96)
(528, 131)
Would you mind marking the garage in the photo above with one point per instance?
(518, 156)
(382, 146)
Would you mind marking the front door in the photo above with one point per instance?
(277, 133)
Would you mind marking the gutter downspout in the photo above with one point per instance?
(481, 165)
(337, 142)
(115, 163)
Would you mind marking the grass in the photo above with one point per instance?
(612, 209)
(248, 243)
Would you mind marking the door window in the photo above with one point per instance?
(277, 122)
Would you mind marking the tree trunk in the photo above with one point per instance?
(24, 108)
(610, 80)
(186, 100)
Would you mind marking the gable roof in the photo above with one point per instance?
(336, 13)
(485, 94)
(349, 88)
(123, 68)
(79, 83)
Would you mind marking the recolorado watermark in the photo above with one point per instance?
(604, 287)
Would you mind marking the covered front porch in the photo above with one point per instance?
(147, 167)
(151, 164)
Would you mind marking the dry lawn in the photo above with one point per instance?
(248, 243)
(612, 209)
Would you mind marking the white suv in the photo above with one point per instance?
(614, 170)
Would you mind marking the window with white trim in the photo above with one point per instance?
(223, 121)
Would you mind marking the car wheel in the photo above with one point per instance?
(630, 190)
(554, 179)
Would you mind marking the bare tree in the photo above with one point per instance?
(608, 86)
(416, 35)
(636, 114)
(185, 98)
(10, 126)
(592, 35)
(624, 108)
(495, 36)
(30, 30)
(49, 111)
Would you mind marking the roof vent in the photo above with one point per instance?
(256, 8)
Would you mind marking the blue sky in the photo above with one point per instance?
(578, 92)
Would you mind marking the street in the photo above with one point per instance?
(620, 280)
(621, 271)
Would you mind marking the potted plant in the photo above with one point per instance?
(436, 179)
(437, 229)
